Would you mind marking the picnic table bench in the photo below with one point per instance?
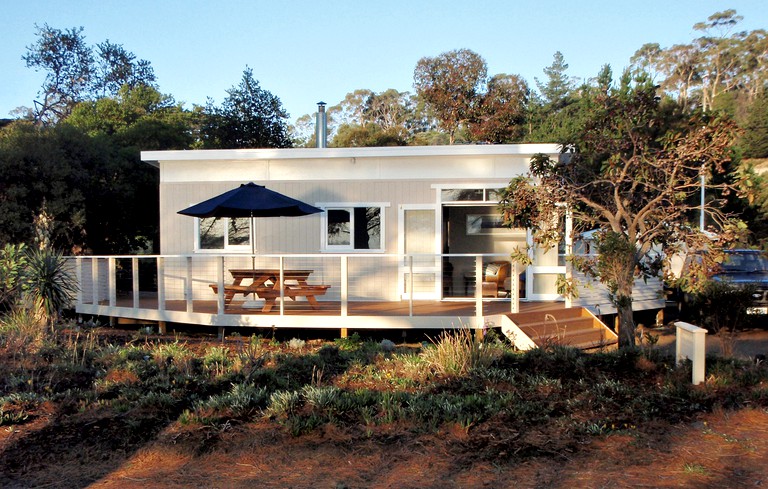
(265, 283)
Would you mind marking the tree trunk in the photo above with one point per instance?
(626, 321)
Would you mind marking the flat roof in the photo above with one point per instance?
(153, 157)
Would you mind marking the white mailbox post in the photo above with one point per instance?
(691, 344)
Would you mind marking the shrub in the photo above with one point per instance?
(352, 342)
(387, 346)
(216, 360)
(458, 353)
(21, 330)
(722, 305)
(284, 403)
(13, 261)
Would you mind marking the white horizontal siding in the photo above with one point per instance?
(594, 296)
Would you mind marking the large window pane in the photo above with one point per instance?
(211, 233)
(354, 228)
(239, 232)
(367, 228)
(339, 221)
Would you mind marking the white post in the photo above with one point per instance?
(95, 281)
(282, 286)
(112, 280)
(344, 286)
(691, 344)
(135, 279)
(479, 288)
(514, 289)
(410, 285)
(188, 285)
(160, 283)
(220, 285)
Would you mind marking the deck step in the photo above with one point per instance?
(575, 327)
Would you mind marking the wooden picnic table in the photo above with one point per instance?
(265, 282)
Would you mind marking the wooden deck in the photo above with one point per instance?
(355, 308)
(374, 315)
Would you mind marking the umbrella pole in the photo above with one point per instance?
(253, 248)
(253, 242)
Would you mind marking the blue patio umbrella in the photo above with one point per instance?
(250, 200)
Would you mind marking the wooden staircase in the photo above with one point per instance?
(575, 326)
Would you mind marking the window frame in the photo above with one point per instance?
(350, 207)
(228, 248)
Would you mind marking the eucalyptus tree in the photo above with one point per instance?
(501, 113)
(722, 61)
(450, 85)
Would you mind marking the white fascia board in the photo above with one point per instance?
(152, 157)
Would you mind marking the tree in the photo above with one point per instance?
(720, 63)
(755, 138)
(250, 117)
(74, 74)
(450, 84)
(633, 172)
(373, 119)
(68, 63)
(502, 111)
(369, 134)
(553, 115)
(558, 87)
(720, 56)
(141, 117)
(116, 68)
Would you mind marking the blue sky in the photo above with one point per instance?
(307, 51)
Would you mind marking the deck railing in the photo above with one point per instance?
(178, 288)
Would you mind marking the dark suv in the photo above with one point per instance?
(740, 267)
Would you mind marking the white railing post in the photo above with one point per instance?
(112, 280)
(514, 289)
(95, 281)
(220, 285)
(188, 285)
(691, 343)
(160, 283)
(410, 285)
(282, 285)
(135, 280)
(479, 287)
(344, 285)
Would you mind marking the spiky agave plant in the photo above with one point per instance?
(48, 284)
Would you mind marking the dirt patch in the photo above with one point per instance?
(723, 449)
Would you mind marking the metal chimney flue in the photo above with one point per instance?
(321, 126)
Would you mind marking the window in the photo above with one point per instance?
(353, 228)
(470, 194)
(224, 234)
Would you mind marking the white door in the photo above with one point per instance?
(419, 276)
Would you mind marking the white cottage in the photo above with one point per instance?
(409, 237)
